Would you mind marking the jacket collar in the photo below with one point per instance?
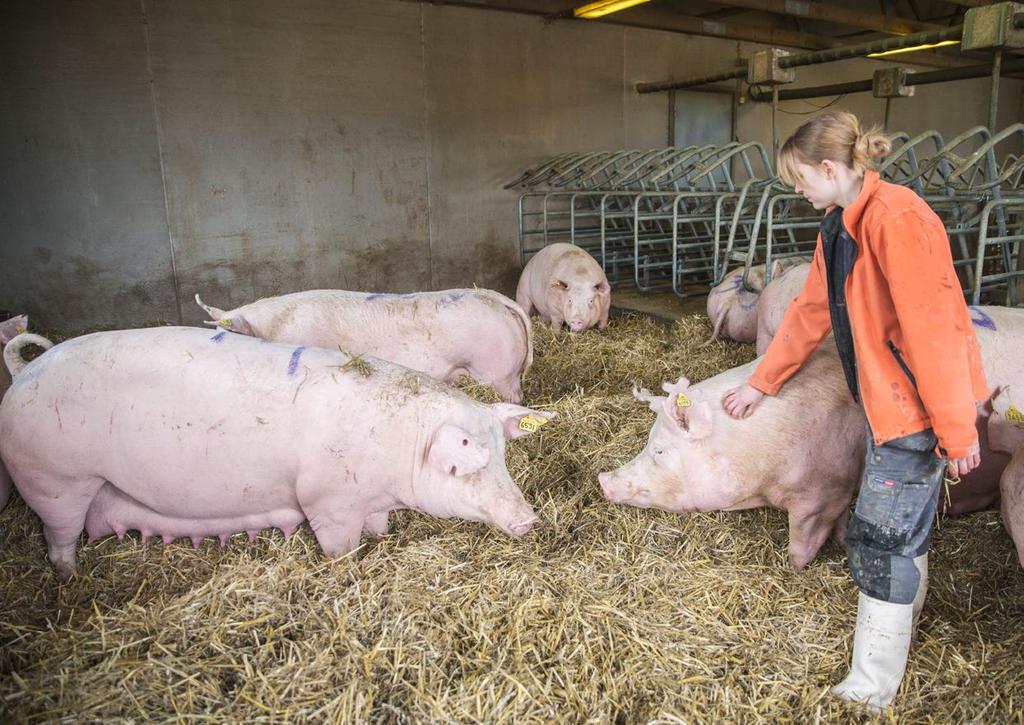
(853, 213)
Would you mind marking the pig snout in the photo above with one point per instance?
(523, 527)
(579, 312)
(616, 488)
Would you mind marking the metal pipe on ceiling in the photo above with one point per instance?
(913, 79)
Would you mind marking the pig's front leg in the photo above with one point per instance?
(337, 532)
(808, 530)
(556, 322)
(376, 524)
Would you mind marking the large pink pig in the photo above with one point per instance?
(445, 334)
(786, 283)
(184, 432)
(1006, 434)
(802, 450)
(564, 284)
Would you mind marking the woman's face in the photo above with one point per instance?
(818, 183)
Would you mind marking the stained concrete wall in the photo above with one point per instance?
(83, 229)
(264, 148)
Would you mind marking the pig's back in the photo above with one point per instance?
(1000, 333)
(177, 417)
(432, 332)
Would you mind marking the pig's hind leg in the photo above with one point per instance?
(62, 504)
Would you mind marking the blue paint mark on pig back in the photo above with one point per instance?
(219, 337)
(389, 295)
(982, 320)
(293, 364)
(734, 285)
(451, 298)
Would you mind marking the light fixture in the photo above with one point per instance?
(604, 7)
(913, 48)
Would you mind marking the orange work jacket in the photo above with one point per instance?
(905, 306)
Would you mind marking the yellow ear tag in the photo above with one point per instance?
(682, 401)
(555, 283)
(224, 322)
(19, 329)
(1014, 416)
(531, 423)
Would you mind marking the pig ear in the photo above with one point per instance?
(654, 402)
(1001, 399)
(688, 409)
(237, 323)
(9, 329)
(457, 452)
(679, 386)
(517, 421)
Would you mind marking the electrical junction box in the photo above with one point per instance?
(763, 68)
(891, 83)
(994, 26)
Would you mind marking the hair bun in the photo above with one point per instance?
(871, 145)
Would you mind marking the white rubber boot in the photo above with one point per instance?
(880, 648)
(921, 562)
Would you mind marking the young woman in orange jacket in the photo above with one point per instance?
(882, 281)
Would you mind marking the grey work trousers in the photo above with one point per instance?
(892, 519)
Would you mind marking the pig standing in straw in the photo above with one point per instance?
(183, 432)
(564, 284)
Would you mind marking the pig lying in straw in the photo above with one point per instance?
(735, 308)
(564, 284)
(182, 432)
(786, 283)
(732, 305)
(446, 334)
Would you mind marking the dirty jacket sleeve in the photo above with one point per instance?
(806, 323)
(914, 255)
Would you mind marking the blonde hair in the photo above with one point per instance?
(836, 136)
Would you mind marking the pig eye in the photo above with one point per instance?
(465, 441)
(659, 451)
(452, 471)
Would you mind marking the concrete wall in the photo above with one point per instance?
(83, 229)
(262, 148)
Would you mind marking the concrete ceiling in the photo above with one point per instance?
(807, 24)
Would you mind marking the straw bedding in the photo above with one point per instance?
(602, 613)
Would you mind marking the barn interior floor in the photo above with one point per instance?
(662, 305)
